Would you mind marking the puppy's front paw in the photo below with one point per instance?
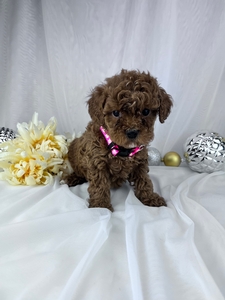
(102, 205)
(155, 200)
(158, 200)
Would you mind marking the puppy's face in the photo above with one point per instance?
(127, 107)
(129, 118)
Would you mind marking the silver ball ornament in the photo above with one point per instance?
(5, 135)
(154, 156)
(204, 151)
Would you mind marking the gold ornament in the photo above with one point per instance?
(172, 159)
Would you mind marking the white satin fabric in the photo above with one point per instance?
(53, 247)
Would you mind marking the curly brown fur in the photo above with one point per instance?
(121, 106)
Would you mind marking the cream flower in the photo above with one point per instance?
(35, 155)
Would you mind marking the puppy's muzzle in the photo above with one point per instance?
(132, 133)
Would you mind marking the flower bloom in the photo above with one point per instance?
(35, 155)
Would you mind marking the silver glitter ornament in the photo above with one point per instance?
(5, 135)
(154, 157)
(205, 151)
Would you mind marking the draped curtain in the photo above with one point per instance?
(52, 53)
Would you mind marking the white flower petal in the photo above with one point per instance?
(35, 119)
(20, 173)
(25, 134)
(30, 180)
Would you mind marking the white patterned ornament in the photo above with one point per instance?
(205, 151)
(5, 135)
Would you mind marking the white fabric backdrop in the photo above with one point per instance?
(52, 53)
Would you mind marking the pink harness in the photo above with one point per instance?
(118, 150)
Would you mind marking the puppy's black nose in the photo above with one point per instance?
(132, 133)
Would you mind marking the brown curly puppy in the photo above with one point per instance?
(113, 147)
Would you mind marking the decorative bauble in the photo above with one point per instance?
(154, 156)
(205, 151)
(5, 135)
(172, 159)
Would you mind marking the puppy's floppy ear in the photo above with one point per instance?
(96, 103)
(165, 105)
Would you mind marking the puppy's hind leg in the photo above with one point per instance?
(73, 179)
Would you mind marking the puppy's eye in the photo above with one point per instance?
(145, 112)
(116, 113)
